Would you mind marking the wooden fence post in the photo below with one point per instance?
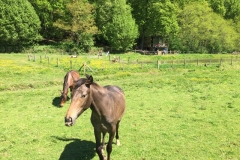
(48, 60)
(71, 64)
(84, 68)
(29, 58)
(128, 60)
(57, 62)
(158, 65)
(103, 66)
(40, 59)
(184, 63)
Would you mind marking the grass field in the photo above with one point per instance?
(172, 113)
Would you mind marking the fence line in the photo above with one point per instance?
(157, 63)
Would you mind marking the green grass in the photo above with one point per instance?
(172, 113)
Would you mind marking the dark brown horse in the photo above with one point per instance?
(107, 105)
(69, 81)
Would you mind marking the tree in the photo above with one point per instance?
(218, 6)
(202, 30)
(163, 21)
(19, 23)
(237, 28)
(116, 24)
(155, 18)
(183, 3)
(78, 22)
(48, 12)
(232, 9)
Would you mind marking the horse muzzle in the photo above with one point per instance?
(61, 105)
(68, 121)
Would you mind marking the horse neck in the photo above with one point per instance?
(97, 92)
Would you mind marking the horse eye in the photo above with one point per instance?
(83, 96)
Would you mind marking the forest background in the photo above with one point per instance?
(198, 26)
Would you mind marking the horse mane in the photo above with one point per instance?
(110, 88)
(81, 81)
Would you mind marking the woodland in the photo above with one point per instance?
(198, 26)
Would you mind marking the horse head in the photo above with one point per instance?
(81, 100)
(63, 98)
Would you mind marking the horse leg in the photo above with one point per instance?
(103, 143)
(98, 144)
(109, 145)
(63, 99)
(117, 136)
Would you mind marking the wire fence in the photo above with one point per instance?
(127, 63)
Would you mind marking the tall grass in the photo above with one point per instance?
(172, 113)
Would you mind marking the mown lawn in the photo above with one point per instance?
(172, 113)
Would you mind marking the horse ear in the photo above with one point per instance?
(89, 79)
(87, 76)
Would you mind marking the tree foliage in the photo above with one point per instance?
(218, 6)
(48, 12)
(155, 18)
(78, 22)
(116, 23)
(163, 19)
(187, 25)
(202, 30)
(19, 23)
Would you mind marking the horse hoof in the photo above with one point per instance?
(102, 151)
(118, 142)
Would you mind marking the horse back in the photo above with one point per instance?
(114, 88)
(73, 75)
(117, 97)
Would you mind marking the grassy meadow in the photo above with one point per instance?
(179, 112)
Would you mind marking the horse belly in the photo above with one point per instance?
(102, 127)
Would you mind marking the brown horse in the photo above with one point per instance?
(69, 81)
(107, 105)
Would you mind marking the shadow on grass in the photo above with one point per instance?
(77, 149)
(56, 101)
